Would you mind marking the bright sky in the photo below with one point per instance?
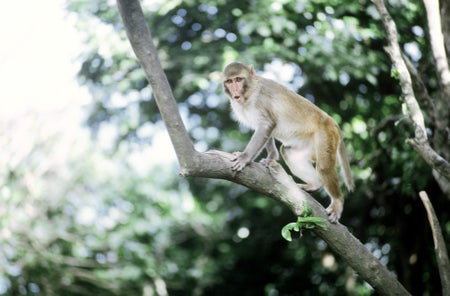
(38, 47)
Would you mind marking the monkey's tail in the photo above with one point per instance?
(345, 167)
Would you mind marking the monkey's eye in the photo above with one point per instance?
(228, 81)
(239, 79)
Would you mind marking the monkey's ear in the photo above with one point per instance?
(252, 70)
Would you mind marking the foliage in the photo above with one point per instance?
(329, 51)
(94, 225)
(79, 223)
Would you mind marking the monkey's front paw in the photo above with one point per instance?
(334, 211)
(240, 160)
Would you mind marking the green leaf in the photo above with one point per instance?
(305, 221)
(286, 230)
(311, 222)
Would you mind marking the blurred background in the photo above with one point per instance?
(90, 198)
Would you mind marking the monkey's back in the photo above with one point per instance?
(291, 111)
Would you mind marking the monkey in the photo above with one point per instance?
(311, 142)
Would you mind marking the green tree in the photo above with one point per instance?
(76, 222)
(336, 53)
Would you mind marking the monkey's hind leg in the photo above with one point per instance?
(298, 161)
(326, 168)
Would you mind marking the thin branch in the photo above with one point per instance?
(437, 42)
(430, 156)
(387, 122)
(443, 183)
(420, 141)
(420, 90)
(439, 244)
(394, 51)
(445, 21)
(442, 110)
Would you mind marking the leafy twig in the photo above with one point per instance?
(305, 221)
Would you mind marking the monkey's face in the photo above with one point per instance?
(235, 87)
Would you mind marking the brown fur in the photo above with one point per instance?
(309, 136)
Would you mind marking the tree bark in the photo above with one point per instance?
(438, 159)
(439, 244)
(445, 20)
(436, 30)
(272, 181)
(144, 48)
(420, 142)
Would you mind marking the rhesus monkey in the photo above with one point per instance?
(308, 135)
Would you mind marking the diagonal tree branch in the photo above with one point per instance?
(445, 21)
(273, 181)
(420, 141)
(420, 90)
(437, 44)
(144, 48)
(442, 110)
(394, 51)
(439, 243)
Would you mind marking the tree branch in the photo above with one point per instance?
(439, 243)
(420, 90)
(144, 48)
(420, 141)
(393, 49)
(445, 21)
(442, 111)
(272, 181)
(437, 44)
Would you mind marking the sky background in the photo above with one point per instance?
(38, 50)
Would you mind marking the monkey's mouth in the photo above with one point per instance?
(237, 98)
